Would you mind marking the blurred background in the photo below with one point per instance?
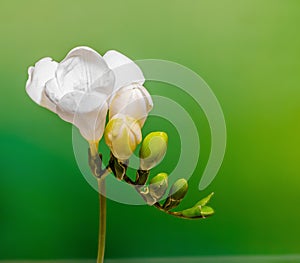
(247, 51)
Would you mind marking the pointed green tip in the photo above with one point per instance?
(205, 200)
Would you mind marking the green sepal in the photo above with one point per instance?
(95, 163)
(118, 168)
(141, 177)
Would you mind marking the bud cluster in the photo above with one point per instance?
(128, 110)
(152, 151)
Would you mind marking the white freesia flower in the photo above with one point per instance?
(133, 101)
(79, 87)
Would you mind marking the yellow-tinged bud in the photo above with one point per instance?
(153, 149)
(122, 135)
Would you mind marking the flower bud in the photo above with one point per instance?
(207, 211)
(133, 101)
(198, 211)
(179, 189)
(153, 149)
(177, 193)
(158, 186)
(122, 135)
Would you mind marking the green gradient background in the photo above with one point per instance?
(247, 51)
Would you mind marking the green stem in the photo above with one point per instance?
(102, 200)
(102, 221)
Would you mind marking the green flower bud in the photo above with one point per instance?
(204, 201)
(153, 149)
(207, 211)
(158, 186)
(197, 211)
(179, 189)
(177, 193)
(192, 212)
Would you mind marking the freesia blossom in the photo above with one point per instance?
(79, 88)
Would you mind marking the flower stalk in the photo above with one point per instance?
(102, 221)
(95, 162)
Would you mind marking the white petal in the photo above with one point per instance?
(85, 70)
(38, 75)
(126, 71)
(133, 101)
(52, 91)
(87, 111)
(47, 103)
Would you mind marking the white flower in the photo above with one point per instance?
(133, 101)
(79, 87)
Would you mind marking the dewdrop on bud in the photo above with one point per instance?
(153, 149)
(122, 135)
